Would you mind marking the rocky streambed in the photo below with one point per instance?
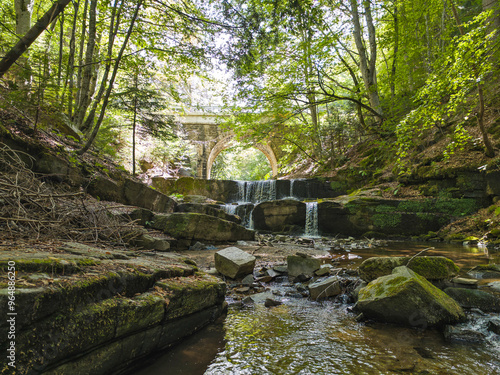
(281, 323)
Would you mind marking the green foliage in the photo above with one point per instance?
(238, 163)
(448, 90)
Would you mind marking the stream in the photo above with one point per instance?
(306, 337)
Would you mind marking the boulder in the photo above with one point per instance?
(462, 334)
(286, 215)
(301, 264)
(488, 271)
(128, 191)
(494, 325)
(233, 262)
(473, 298)
(207, 209)
(355, 215)
(406, 298)
(430, 267)
(326, 288)
(148, 242)
(200, 227)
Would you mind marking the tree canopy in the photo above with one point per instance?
(313, 76)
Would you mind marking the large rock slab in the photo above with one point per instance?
(131, 192)
(107, 315)
(233, 262)
(430, 267)
(406, 298)
(201, 227)
(360, 215)
(473, 298)
(212, 210)
(286, 215)
(325, 288)
(302, 265)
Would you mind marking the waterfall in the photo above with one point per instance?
(230, 208)
(260, 191)
(241, 191)
(311, 229)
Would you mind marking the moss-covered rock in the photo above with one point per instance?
(406, 298)
(357, 214)
(473, 298)
(201, 227)
(189, 295)
(430, 267)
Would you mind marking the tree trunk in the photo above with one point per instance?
(367, 64)
(494, 21)
(114, 24)
(13, 55)
(68, 80)
(111, 81)
(23, 15)
(85, 94)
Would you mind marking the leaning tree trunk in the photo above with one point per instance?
(27, 40)
(367, 63)
(84, 92)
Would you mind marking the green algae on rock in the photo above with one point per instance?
(430, 267)
(406, 298)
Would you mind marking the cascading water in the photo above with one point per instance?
(311, 219)
(250, 193)
(230, 208)
(260, 191)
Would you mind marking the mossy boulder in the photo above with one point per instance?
(131, 192)
(355, 215)
(430, 267)
(201, 227)
(212, 210)
(474, 298)
(406, 298)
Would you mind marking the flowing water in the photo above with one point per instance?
(251, 193)
(306, 337)
(311, 229)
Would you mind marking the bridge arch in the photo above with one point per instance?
(226, 141)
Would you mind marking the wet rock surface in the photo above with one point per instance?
(86, 303)
(404, 297)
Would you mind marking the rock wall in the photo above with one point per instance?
(86, 315)
(230, 191)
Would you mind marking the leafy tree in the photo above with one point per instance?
(455, 88)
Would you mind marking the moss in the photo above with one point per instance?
(387, 220)
(455, 237)
(384, 208)
(184, 185)
(434, 268)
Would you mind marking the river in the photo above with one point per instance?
(306, 337)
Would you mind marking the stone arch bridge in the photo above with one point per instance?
(202, 129)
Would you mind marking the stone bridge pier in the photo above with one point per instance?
(203, 131)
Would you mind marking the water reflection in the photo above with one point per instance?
(305, 337)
